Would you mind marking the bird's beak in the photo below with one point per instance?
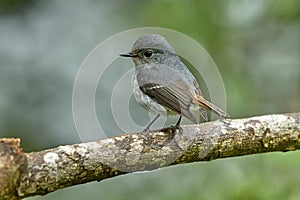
(128, 54)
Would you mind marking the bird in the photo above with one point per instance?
(163, 84)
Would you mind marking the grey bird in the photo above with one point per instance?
(163, 84)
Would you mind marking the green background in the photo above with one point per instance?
(254, 43)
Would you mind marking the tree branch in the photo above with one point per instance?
(38, 173)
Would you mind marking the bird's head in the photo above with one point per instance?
(150, 48)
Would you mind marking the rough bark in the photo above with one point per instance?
(38, 173)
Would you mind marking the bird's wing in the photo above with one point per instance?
(175, 95)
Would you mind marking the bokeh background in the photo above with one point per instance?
(255, 44)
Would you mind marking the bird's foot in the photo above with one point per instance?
(225, 121)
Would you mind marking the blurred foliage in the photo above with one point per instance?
(255, 45)
(15, 6)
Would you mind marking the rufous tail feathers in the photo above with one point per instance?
(208, 105)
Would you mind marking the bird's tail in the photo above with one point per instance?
(208, 105)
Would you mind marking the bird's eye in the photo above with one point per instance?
(148, 53)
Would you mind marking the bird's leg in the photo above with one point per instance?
(148, 126)
(178, 122)
(174, 128)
